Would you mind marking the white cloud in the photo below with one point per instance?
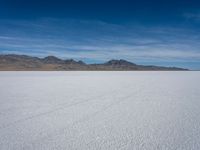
(98, 40)
(193, 16)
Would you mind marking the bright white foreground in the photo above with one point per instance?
(99, 110)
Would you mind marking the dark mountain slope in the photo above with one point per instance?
(51, 63)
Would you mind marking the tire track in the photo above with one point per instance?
(62, 106)
(85, 119)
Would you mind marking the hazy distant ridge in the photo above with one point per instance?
(14, 62)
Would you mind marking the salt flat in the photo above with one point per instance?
(100, 110)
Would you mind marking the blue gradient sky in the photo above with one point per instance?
(145, 32)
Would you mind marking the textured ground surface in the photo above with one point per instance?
(99, 110)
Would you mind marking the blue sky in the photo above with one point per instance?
(145, 32)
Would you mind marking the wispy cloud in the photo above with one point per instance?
(193, 16)
(99, 41)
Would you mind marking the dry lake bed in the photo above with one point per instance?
(100, 110)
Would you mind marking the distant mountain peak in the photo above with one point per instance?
(72, 61)
(81, 62)
(52, 59)
(119, 62)
(51, 63)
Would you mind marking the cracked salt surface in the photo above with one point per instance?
(100, 110)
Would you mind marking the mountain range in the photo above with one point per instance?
(12, 62)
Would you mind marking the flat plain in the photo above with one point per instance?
(138, 110)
